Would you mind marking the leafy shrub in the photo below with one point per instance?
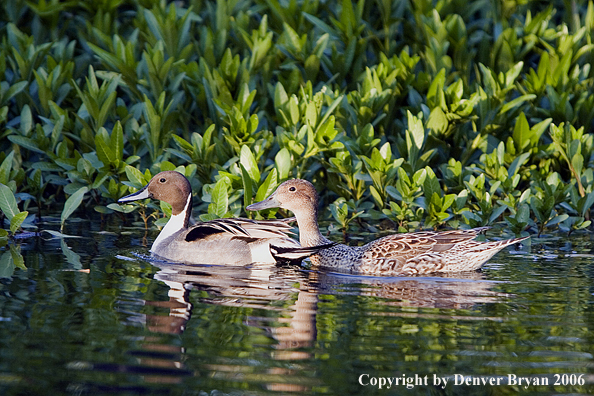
(427, 114)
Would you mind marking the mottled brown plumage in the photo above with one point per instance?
(400, 254)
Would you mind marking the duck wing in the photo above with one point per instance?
(405, 246)
(267, 228)
(240, 228)
(428, 252)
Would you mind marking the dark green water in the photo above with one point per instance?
(88, 317)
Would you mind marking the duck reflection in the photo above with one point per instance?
(255, 286)
(460, 290)
(291, 296)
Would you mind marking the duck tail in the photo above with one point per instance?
(484, 251)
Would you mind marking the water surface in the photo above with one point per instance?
(90, 316)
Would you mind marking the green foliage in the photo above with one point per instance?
(412, 112)
(72, 203)
(10, 260)
(9, 208)
(219, 200)
(436, 202)
(345, 212)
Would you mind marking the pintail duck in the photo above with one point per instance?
(400, 254)
(220, 241)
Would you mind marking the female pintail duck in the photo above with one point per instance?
(220, 241)
(400, 254)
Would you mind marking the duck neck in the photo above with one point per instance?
(309, 232)
(177, 222)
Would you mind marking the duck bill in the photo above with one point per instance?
(268, 203)
(143, 193)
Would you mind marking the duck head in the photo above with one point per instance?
(297, 195)
(169, 186)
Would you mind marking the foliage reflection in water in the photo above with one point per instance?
(89, 316)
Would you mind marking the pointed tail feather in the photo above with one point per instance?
(499, 245)
(484, 251)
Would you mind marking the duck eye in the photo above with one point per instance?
(292, 189)
(162, 180)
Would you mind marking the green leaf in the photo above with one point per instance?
(329, 111)
(17, 220)
(8, 203)
(117, 141)
(27, 143)
(220, 197)
(294, 110)
(321, 25)
(72, 203)
(498, 211)
(283, 163)
(516, 164)
(100, 179)
(182, 143)
(6, 265)
(311, 114)
(56, 134)
(46, 166)
(347, 17)
(71, 257)
(248, 189)
(104, 152)
(512, 74)
(121, 208)
(516, 102)
(135, 177)
(12, 91)
(248, 161)
(280, 96)
(577, 162)
(585, 224)
(588, 201)
(105, 109)
(557, 219)
(448, 200)
(539, 129)
(431, 184)
(435, 203)
(437, 122)
(435, 96)
(268, 186)
(340, 211)
(394, 193)
(461, 199)
(522, 133)
(26, 120)
(415, 137)
(6, 167)
(376, 197)
(488, 81)
(58, 234)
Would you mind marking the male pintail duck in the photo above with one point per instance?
(220, 241)
(400, 254)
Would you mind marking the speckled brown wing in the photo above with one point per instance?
(391, 253)
(419, 252)
(416, 243)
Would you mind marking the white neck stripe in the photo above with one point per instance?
(175, 224)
